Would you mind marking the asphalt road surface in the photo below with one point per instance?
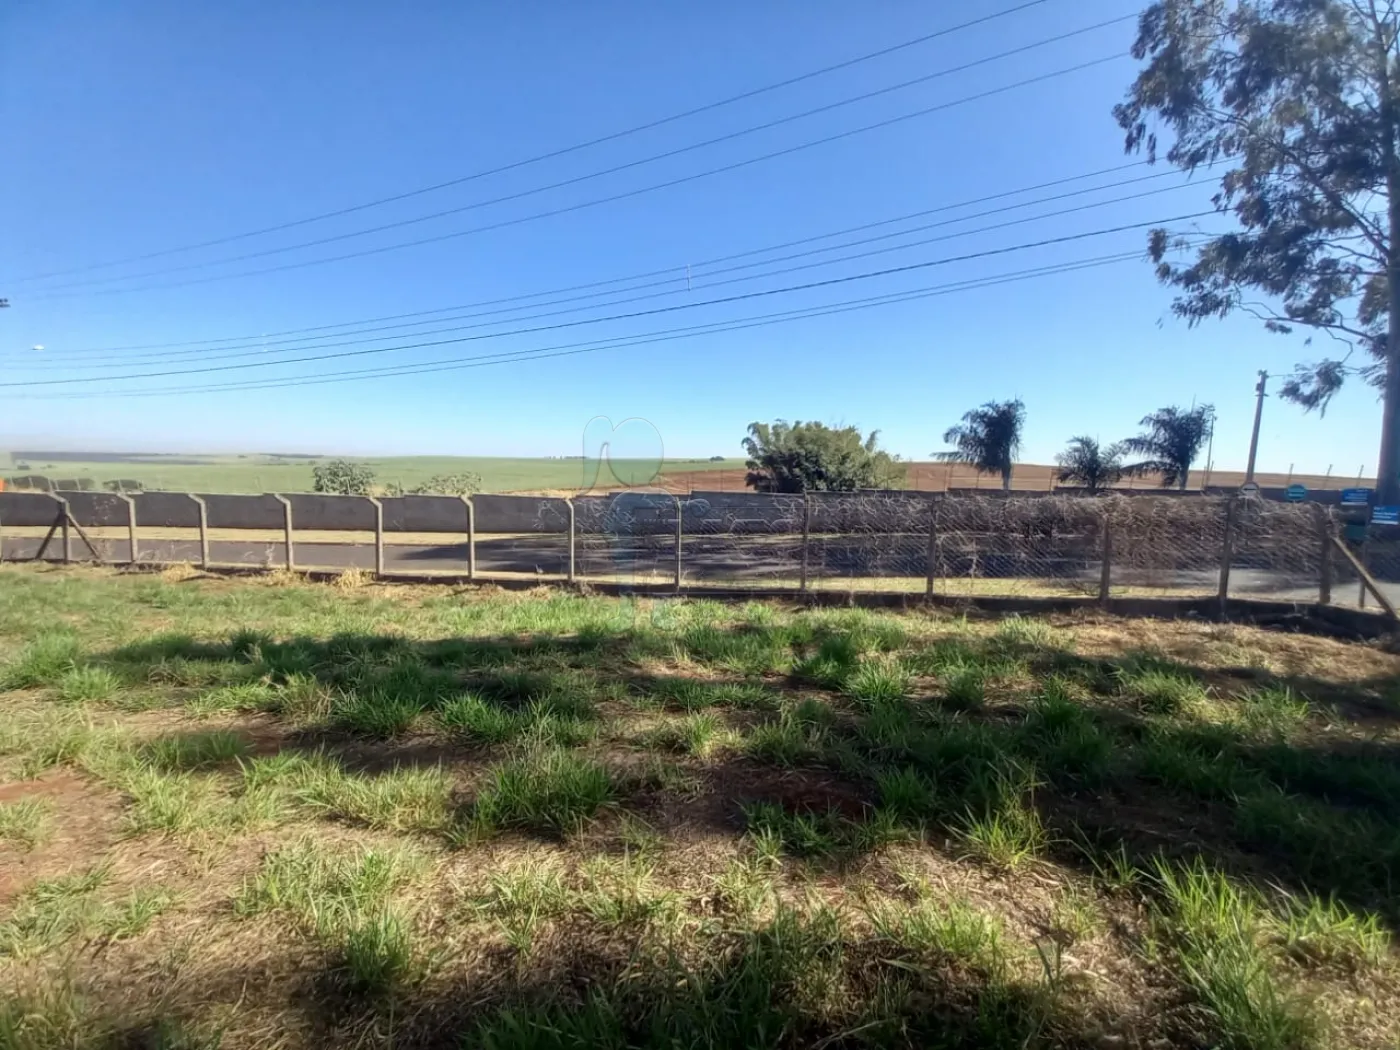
(706, 559)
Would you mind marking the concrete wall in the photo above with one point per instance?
(424, 514)
(521, 514)
(244, 512)
(166, 510)
(27, 509)
(91, 509)
(332, 513)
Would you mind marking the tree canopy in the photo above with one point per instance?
(1171, 443)
(813, 457)
(988, 438)
(342, 477)
(1093, 466)
(1296, 104)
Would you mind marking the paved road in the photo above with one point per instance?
(707, 559)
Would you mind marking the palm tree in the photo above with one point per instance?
(1171, 443)
(1091, 465)
(988, 438)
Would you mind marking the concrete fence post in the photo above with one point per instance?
(287, 529)
(471, 537)
(1106, 559)
(573, 536)
(680, 543)
(64, 519)
(1227, 550)
(203, 530)
(932, 547)
(1324, 536)
(378, 536)
(133, 546)
(806, 537)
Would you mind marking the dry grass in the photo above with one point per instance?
(234, 815)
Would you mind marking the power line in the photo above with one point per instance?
(621, 342)
(253, 337)
(625, 316)
(614, 169)
(263, 352)
(519, 220)
(552, 154)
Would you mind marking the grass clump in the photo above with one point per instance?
(405, 798)
(1217, 930)
(196, 750)
(1159, 691)
(484, 721)
(51, 912)
(257, 695)
(25, 822)
(1005, 830)
(1316, 930)
(880, 680)
(42, 662)
(548, 790)
(698, 735)
(964, 686)
(952, 929)
(84, 683)
(344, 899)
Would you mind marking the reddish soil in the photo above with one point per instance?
(1028, 477)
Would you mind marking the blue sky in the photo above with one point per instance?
(140, 127)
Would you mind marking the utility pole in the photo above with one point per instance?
(1258, 416)
(1210, 451)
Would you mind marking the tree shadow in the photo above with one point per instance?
(832, 776)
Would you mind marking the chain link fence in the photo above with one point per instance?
(1184, 546)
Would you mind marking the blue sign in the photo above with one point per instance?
(1295, 493)
(1385, 515)
(1355, 497)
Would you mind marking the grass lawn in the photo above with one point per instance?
(249, 813)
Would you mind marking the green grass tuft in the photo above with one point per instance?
(86, 683)
(42, 662)
(548, 790)
(1217, 930)
(25, 822)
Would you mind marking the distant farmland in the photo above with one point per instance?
(259, 472)
(273, 473)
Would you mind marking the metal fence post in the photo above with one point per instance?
(378, 536)
(1106, 559)
(1227, 550)
(64, 518)
(573, 537)
(471, 537)
(287, 528)
(1324, 579)
(133, 548)
(932, 546)
(680, 541)
(203, 530)
(806, 535)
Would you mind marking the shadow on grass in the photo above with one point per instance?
(1085, 758)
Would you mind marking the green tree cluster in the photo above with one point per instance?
(813, 457)
(342, 477)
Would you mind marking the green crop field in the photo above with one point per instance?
(264, 473)
(276, 813)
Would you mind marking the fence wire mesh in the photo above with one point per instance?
(1277, 550)
(946, 545)
(1050, 546)
(1166, 547)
